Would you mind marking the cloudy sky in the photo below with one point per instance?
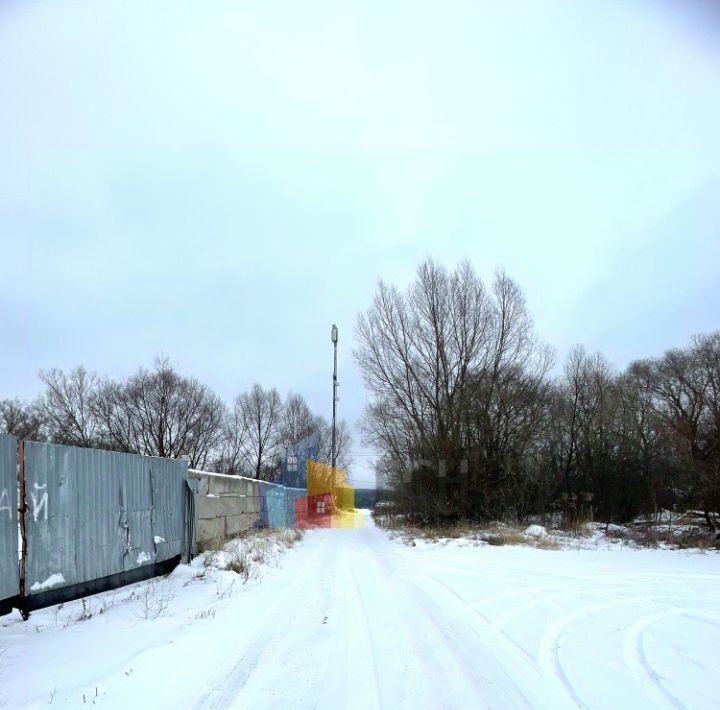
(220, 181)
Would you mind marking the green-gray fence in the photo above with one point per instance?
(93, 520)
(9, 577)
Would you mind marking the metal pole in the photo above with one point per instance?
(333, 453)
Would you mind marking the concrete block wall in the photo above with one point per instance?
(227, 505)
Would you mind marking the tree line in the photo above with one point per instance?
(473, 419)
(158, 412)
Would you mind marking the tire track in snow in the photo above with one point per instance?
(379, 585)
(405, 637)
(549, 658)
(467, 675)
(543, 596)
(636, 660)
(549, 654)
(548, 661)
(228, 684)
(516, 661)
(365, 636)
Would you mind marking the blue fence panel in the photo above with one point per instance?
(9, 578)
(275, 504)
(277, 508)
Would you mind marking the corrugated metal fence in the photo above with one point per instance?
(95, 514)
(93, 520)
(79, 521)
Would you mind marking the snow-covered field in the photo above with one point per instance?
(350, 618)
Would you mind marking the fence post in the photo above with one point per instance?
(22, 507)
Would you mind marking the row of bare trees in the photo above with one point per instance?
(158, 412)
(472, 420)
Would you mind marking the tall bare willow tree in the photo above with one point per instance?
(456, 380)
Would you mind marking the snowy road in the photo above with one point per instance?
(352, 619)
(358, 627)
(366, 622)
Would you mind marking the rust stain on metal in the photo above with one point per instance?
(22, 507)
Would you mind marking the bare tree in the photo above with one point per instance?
(687, 385)
(296, 421)
(643, 441)
(453, 372)
(159, 413)
(706, 353)
(259, 412)
(21, 419)
(589, 436)
(417, 353)
(230, 455)
(67, 404)
(343, 444)
(116, 417)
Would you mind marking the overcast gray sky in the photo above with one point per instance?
(220, 181)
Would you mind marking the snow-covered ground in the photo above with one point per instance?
(351, 618)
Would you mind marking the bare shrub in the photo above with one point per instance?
(87, 610)
(495, 540)
(222, 590)
(504, 536)
(291, 537)
(546, 543)
(153, 602)
(205, 614)
(241, 564)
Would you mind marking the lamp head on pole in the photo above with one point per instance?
(334, 334)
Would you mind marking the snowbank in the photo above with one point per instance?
(535, 531)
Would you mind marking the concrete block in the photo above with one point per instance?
(223, 486)
(235, 524)
(209, 508)
(223, 506)
(210, 531)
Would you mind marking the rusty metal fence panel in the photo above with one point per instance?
(9, 579)
(95, 514)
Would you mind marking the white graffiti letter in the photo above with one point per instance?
(5, 503)
(43, 502)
